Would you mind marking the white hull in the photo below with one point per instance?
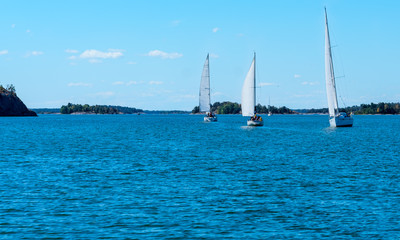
(255, 123)
(341, 121)
(210, 119)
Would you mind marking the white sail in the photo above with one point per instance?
(205, 88)
(329, 74)
(249, 91)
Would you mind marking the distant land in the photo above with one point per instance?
(11, 105)
(219, 108)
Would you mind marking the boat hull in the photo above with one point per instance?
(341, 121)
(255, 123)
(210, 119)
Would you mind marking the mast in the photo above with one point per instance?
(329, 73)
(255, 82)
(209, 86)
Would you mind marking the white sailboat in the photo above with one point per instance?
(269, 107)
(249, 97)
(336, 118)
(204, 95)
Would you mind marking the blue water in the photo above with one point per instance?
(175, 177)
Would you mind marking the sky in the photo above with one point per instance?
(150, 54)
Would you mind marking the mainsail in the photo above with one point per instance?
(205, 88)
(329, 74)
(249, 91)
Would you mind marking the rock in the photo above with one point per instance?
(11, 105)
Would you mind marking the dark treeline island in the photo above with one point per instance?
(218, 107)
(234, 108)
(372, 108)
(97, 109)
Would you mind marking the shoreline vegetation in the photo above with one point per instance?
(221, 108)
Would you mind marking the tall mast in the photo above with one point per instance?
(254, 82)
(208, 74)
(332, 72)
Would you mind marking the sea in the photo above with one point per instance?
(176, 177)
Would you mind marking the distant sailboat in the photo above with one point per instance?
(336, 118)
(249, 97)
(269, 107)
(204, 95)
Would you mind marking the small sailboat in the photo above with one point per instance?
(204, 95)
(249, 97)
(269, 107)
(336, 118)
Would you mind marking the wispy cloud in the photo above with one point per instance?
(215, 30)
(155, 82)
(79, 84)
(91, 53)
(3, 52)
(72, 57)
(130, 62)
(13, 25)
(297, 76)
(213, 55)
(34, 53)
(71, 51)
(261, 84)
(164, 55)
(132, 83)
(118, 83)
(310, 83)
(37, 53)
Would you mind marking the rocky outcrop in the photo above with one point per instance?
(11, 105)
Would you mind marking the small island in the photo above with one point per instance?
(97, 109)
(11, 105)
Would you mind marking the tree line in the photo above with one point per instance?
(10, 89)
(235, 108)
(97, 109)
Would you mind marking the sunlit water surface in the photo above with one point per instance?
(173, 176)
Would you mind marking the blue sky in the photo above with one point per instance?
(150, 54)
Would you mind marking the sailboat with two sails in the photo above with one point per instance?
(249, 97)
(336, 118)
(204, 93)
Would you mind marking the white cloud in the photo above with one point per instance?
(98, 54)
(261, 84)
(215, 30)
(71, 51)
(217, 94)
(3, 52)
(130, 62)
(158, 53)
(118, 83)
(95, 61)
(28, 31)
(310, 83)
(155, 82)
(79, 84)
(36, 53)
(297, 76)
(131, 83)
(72, 57)
(213, 55)
(13, 25)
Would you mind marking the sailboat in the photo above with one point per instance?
(249, 97)
(269, 107)
(336, 118)
(204, 95)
